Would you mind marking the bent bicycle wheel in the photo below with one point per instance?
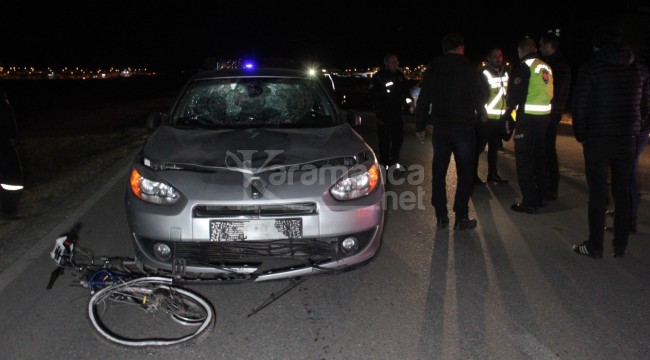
(149, 311)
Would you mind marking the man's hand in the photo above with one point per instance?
(484, 119)
(420, 135)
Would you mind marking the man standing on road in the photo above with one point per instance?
(496, 83)
(389, 91)
(452, 87)
(611, 103)
(549, 47)
(11, 170)
(530, 91)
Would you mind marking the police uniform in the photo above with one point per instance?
(530, 91)
(496, 82)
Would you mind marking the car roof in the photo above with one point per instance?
(262, 72)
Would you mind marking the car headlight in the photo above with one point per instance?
(152, 191)
(357, 183)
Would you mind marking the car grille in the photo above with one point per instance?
(217, 252)
(270, 210)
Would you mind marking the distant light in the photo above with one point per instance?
(249, 65)
(311, 72)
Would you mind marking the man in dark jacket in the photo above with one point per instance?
(610, 106)
(452, 87)
(11, 171)
(389, 91)
(549, 47)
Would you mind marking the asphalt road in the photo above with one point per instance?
(510, 289)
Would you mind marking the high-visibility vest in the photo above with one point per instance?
(540, 88)
(496, 103)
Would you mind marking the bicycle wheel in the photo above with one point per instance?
(149, 311)
(184, 310)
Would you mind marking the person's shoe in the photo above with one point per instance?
(550, 196)
(524, 208)
(465, 224)
(442, 222)
(496, 179)
(478, 181)
(582, 249)
(610, 212)
(619, 252)
(541, 203)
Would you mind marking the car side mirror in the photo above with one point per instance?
(353, 118)
(154, 120)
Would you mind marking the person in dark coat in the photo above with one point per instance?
(610, 107)
(453, 90)
(549, 47)
(11, 170)
(389, 91)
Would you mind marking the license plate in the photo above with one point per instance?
(258, 229)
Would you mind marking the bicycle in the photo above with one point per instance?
(126, 299)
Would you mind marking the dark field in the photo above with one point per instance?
(70, 130)
(74, 106)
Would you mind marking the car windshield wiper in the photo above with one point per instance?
(210, 168)
(183, 166)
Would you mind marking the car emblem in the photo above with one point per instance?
(255, 188)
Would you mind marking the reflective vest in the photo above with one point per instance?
(540, 88)
(496, 102)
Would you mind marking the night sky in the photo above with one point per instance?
(181, 35)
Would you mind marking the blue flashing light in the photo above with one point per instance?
(249, 65)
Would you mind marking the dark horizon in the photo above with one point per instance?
(174, 36)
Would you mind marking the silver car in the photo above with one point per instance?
(254, 174)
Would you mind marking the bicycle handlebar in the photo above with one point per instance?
(98, 273)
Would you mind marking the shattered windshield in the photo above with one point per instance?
(250, 102)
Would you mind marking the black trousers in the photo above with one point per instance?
(602, 155)
(458, 140)
(550, 151)
(641, 142)
(529, 157)
(488, 133)
(390, 135)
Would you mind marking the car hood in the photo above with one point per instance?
(251, 148)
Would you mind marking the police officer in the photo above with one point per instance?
(389, 91)
(496, 82)
(11, 170)
(530, 91)
(549, 47)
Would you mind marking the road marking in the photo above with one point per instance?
(46, 243)
(530, 346)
